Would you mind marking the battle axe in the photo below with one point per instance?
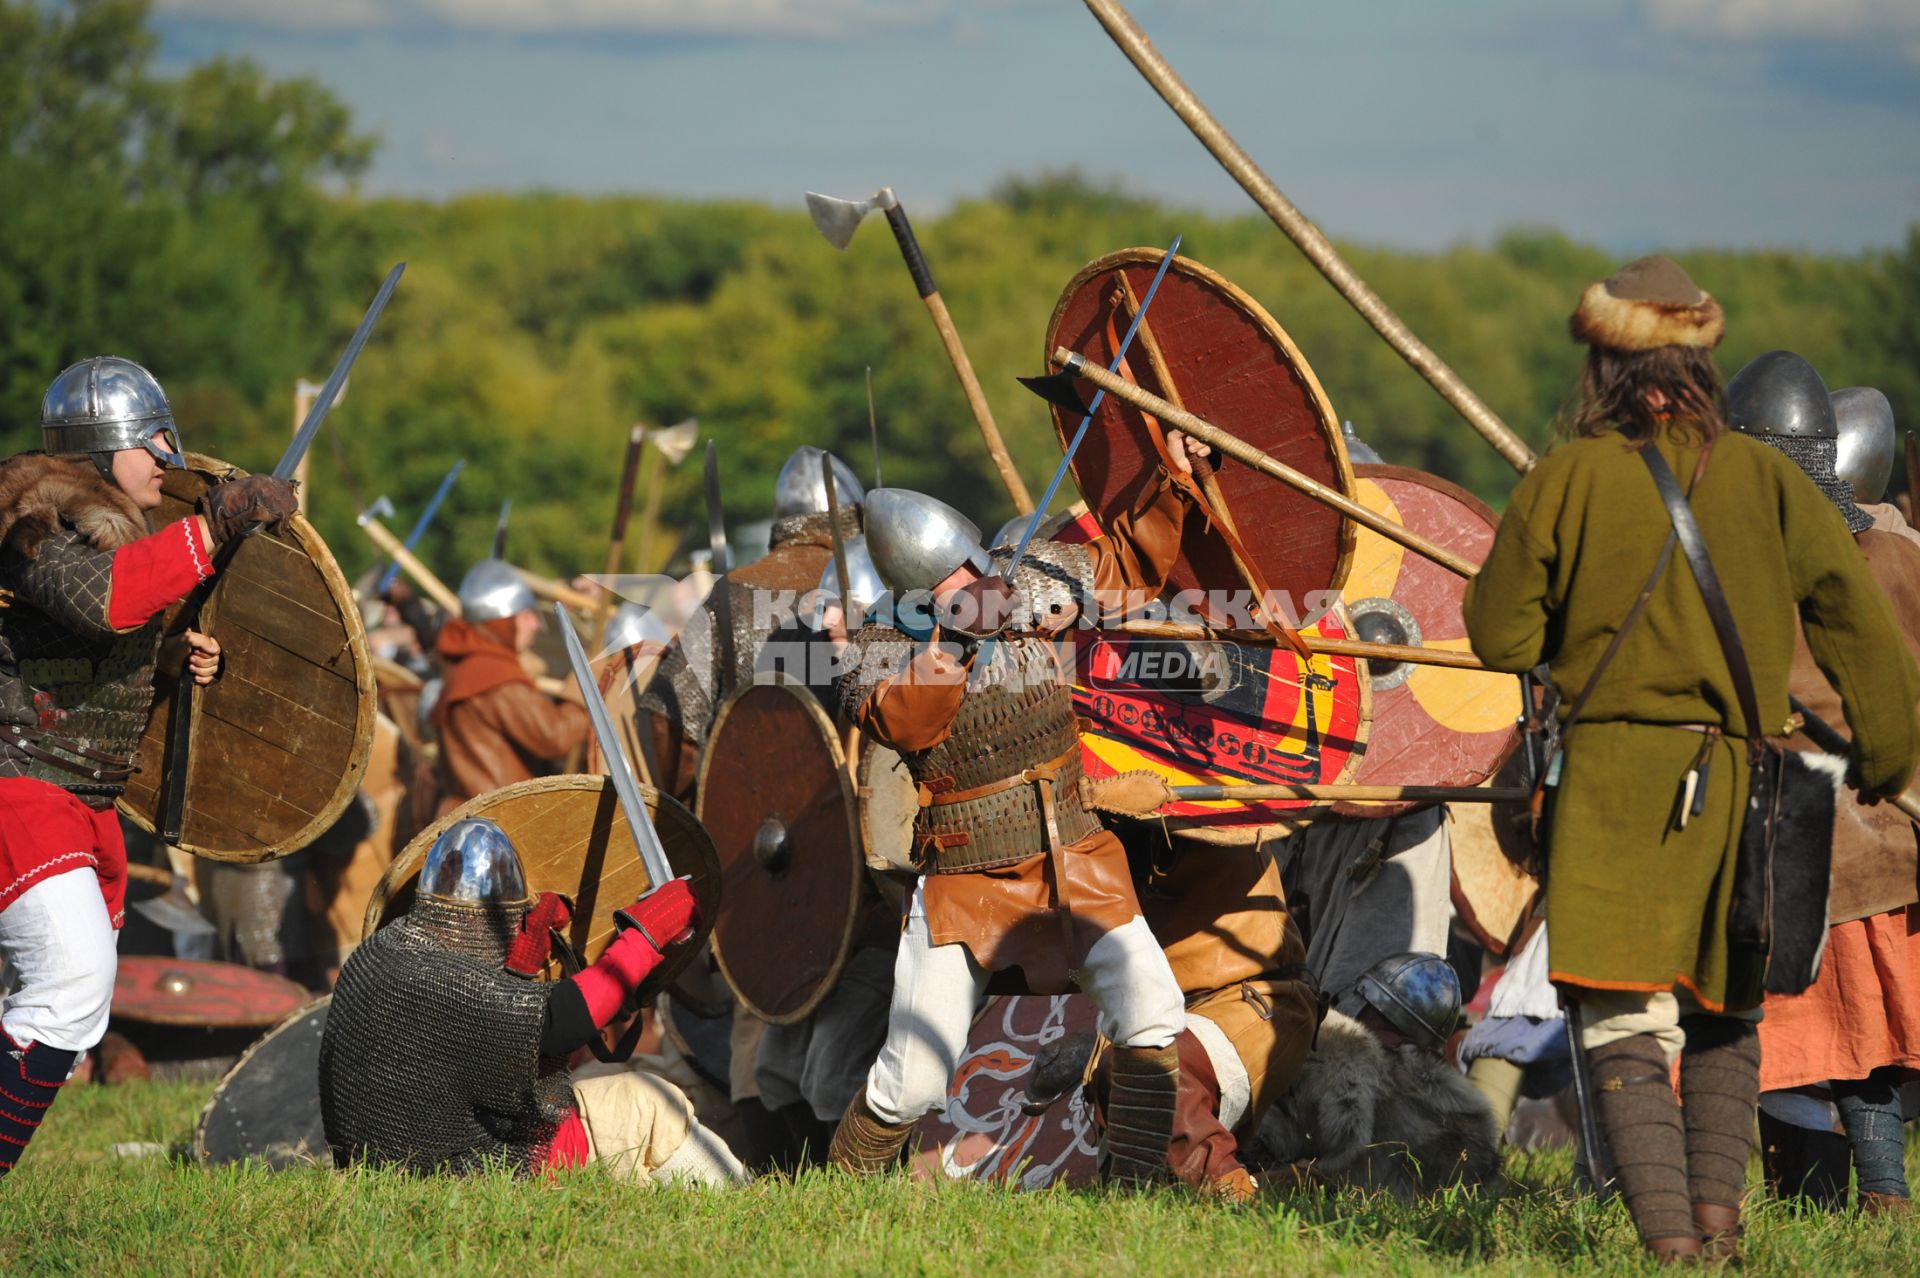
(389, 545)
(838, 220)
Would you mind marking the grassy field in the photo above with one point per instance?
(74, 1207)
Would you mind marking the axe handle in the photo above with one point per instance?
(1233, 446)
(390, 546)
(558, 592)
(1133, 42)
(950, 338)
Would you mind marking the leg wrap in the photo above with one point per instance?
(1720, 1087)
(1870, 1111)
(1643, 1126)
(30, 1080)
(864, 1143)
(1144, 1092)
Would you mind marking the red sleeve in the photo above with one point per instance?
(154, 572)
(607, 983)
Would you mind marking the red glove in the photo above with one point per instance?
(530, 950)
(668, 915)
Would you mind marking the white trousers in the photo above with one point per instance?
(937, 988)
(61, 954)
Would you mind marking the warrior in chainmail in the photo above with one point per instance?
(83, 584)
(442, 1051)
(1015, 871)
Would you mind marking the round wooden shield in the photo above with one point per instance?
(156, 990)
(889, 805)
(573, 840)
(623, 676)
(1493, 891)
(1431, 725)
(1211, 349)
(280, 740)
(266, 1109)
(982, 1134)
(775, 794)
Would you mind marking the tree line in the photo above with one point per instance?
(206, 224)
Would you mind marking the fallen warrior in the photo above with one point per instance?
(443, 1052)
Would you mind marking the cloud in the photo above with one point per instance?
(678, 17)
(1779, 19)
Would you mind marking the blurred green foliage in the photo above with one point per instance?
(206, 225)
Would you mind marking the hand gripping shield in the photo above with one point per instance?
(776, 796)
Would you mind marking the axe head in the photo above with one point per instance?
(839, 219)
(1062, 390)
(381, 509)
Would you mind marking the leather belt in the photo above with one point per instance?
(933, 794)
(118, 770)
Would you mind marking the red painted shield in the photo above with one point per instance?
(1210, 348)
(154, 990)
(983, 1135)
(1431, 725)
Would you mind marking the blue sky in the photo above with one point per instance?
(1414, 123)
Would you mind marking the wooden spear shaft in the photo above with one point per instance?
(1238, 449)
(1352, 793)
(1193, 113)
(1321, 645)
(617, 548)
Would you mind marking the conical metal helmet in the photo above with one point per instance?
(1359, 451)
(474, 862)
(106, 404)
(632, 624)
(863, 581)
(1781, 396)
(800, 490)
(1865, 459)
(1419, 994)
(917, 541)
(492, 590)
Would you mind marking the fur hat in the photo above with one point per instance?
(1648, 304)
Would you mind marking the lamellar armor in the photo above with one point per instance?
(431, 1057)
(74, 696)
(1005, 783)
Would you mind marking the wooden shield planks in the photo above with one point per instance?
(1210, 348)
(775, 795)
(623, 677)
(573, 840)
(267, 1107)
(157, 990)
(281, 739)
(1493, 892)
(1431, 725)
(982, 1135)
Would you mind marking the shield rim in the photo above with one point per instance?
(310, 543)
(831, 736)
(407, 862)
(1446, 487)
(1323, 407)
(877, 861)
(292, 1018)
(200, 1022)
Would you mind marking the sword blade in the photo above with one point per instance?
(839, 544)
(716, 515)
(873, 429)
(303, 438)
(1093, 406)
(652, 854)
(724, 655)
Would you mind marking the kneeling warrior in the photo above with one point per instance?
(1015, 872)
(82, 585)
(443, 1053)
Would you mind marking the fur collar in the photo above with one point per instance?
(39, 492)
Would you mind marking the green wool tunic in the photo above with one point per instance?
(1633, 903)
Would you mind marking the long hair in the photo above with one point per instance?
(1613, 394)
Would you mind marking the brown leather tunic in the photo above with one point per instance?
(510, 733)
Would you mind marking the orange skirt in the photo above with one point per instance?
(1862, 1014)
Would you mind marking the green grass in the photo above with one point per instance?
(72, 1207)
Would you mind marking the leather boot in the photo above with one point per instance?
(30, 1081)
(120, 1061)
(1872, 1204)
(864, 1143)
(1641, 1117)
(1720, 1089)
(1143, 1091)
